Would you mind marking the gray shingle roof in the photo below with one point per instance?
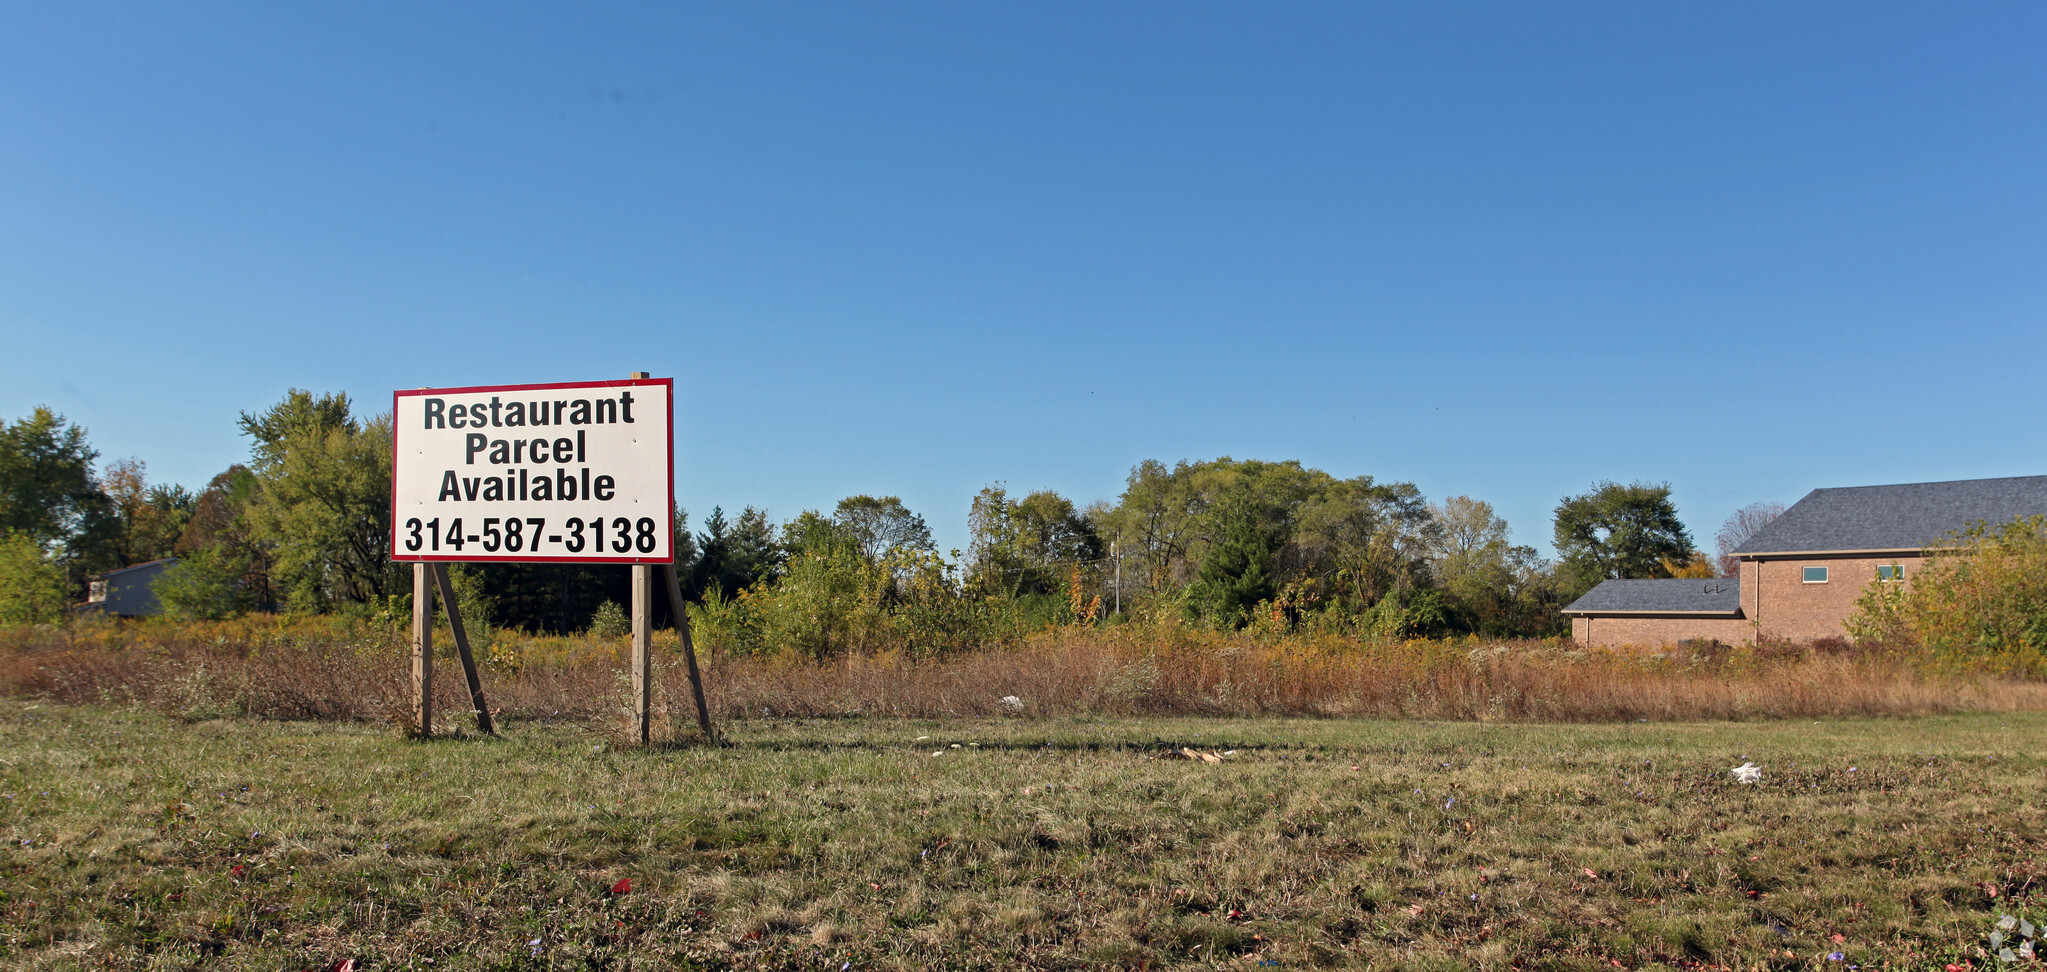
(1673, 595)
(1911, 516)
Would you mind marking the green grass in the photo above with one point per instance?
(135, 841)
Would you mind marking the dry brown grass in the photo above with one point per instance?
(321, 669)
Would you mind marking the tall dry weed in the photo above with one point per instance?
(321, 669)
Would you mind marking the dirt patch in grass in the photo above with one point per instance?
(134, 840)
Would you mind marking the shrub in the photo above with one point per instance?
(610, 621)
(205, 585)
(1982, 602)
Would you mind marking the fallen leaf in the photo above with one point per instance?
(624, 886)
(1594, 875)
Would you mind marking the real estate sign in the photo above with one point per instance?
(570, 472)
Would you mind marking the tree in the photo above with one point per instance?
(33, 589)
(733, 556)
(147, 519)
(1236, 573)
(1028, 547)
(1468, 530)
(1228, 534)
(1738, 529)
(1490, 585)
(220, 529)
(48, 493)
(299, 414)
(1617, 532)
(1370, 540)
(882, 526)
(324, 502)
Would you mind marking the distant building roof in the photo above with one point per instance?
(1912, 516)
(140, 566)
(1717, 596)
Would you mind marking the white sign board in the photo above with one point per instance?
(580, 472)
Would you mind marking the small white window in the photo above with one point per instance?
(1815, 575)
(1891, 572)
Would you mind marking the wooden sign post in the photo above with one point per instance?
(643, 652)
(422, 651)
(572, 472)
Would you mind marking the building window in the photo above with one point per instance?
(1815, 575)
(1891, 572)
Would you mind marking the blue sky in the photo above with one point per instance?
(1503, 250)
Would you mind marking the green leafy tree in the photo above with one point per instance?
(1619, 532)
(1369, 540)
(1223, 535)
(33, 589)
(1249, 512)
(50, 494)
(273, 431)
(1028, 547)
(1491, 586)
(323, 506)
(1156, 523)
(220, 523)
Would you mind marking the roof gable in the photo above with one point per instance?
(1911, 516)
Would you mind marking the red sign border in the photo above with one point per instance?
(668, 516)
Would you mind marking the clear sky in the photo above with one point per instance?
(1504, 250)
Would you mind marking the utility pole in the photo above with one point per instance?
(1116, 551)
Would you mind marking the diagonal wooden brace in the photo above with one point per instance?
(689, 651)
(447, 586)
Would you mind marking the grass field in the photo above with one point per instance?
(138, 841)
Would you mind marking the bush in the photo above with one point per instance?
(203, 586)
(1982, 603)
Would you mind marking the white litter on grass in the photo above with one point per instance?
(939, 753)
(1012, 703)
(1747, 773)
(921, 739)
(953, 746)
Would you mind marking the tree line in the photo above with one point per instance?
(303, 526)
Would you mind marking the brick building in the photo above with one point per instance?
(1802, 573)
